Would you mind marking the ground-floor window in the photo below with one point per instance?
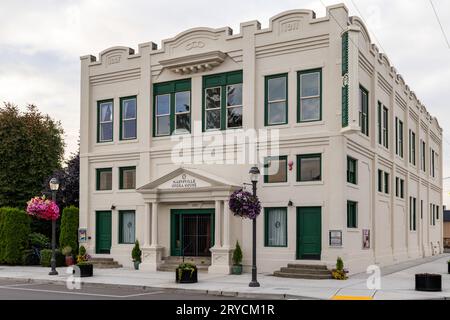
(352, 214)
(275, 169)
(127, 226)
(275, 227)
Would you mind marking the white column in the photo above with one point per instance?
(154, 224)
(217, 225)
(147, 225)
(226, 224)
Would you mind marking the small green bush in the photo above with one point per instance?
(339, 264)
(237, 254)
(14, 230)
(69, 228)
(39, 240)
(29, 258)
(46, 257)
(136, 252)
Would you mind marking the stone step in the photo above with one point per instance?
(307, 266)
(195, 260)
(107, 265)
(302, 275)
(173, 267)
(95, 259)
(305, 270)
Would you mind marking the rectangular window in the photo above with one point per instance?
(383, 125)
(309, 167)
(310, 95)
(276, 105)
(423, 156)
(380, 181)
(128, 118)
(434, 215)
(127, 178)
(397, 187)
(421, 209)
(127, 227)
(386, 182)
(412, 147)
(364, 110)
(172, 110)
(275, 227)
(402, 188)
(352, 170)
(275, 169)
(222, 101)
(432, 163)
(437, 212)
(412, 214)
(399, 137)
(352, 214)
(104, 179)
(105, 121)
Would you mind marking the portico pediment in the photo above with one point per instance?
(188, 182)
(194, 63)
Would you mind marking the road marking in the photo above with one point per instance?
(82, 293)
(351, 298)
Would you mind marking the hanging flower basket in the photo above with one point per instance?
(43, 208)
(244, 204)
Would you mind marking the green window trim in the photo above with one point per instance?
(352, 214)
(221, 80)
(121, 212)
(121, 170)
(299, 97)
(266, 99)
(97, 179)
(364, 110)
(122, 120)
(99, 103)
(266, 228)
(266, 175)
(308, 156)
(170, 88)
(352, 170)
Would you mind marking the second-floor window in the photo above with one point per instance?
(105, 121)
(172, 107)
(423, 154)
(398, 137)
(310, 95)
(412, 213)
(127, 178)
(222, 94)
(276, 105)
(364, 110)
(275, 169)
(104, 179)
(412, 147)
(383, 125)
(128, 116)
(309, 167)
(432, 163)
(352, 170)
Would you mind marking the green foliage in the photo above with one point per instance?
(237, 254)
(136, 253)
(186, 266)
(82, 251)
(29, 258)
(339, 264)
(39, 240)
(14, 230)
(46, 257)
(69, 228)
(67, 251)
(31, 148)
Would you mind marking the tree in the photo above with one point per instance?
(69, 228)
(31, 148)
(14, 231)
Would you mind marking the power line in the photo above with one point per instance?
(440, 24)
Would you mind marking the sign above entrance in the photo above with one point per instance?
(184, 181)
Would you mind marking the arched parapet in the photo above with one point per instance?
(399, 79)
(115, 56)
(196, 40)
(356, 21)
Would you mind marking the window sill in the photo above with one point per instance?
(309, 123)
(276, 184)
(126, 141)
(309, 183)
(352, 185)
(126, 190)
(353, 230)
(364, 136)
(280, 125)
(103, 192)
(106, 143)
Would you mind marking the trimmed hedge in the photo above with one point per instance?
(69, 228)
(14, 231)
(46, 257)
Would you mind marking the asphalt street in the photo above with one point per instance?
(23, 290)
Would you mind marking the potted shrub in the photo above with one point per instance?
(67, 252)
(339, 273)
(428, 282)
(237, 260)
(186, 273)
(136, 255)
(86, 268)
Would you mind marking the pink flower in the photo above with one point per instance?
(42, 208)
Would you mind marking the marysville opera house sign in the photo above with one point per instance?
(184, 182)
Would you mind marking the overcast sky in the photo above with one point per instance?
(41, 42)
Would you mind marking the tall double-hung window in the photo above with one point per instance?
(105, 111)
(383, 125)
(275, 230)
(128, 116)
(276, 104)
(310, 95)
(222, 101)
(364, 110)
(172, 108)
(412, 147)
(398, 137)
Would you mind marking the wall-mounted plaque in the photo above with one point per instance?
(82, 235)
(366, 238)
(335, 238)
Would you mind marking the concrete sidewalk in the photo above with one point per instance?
(397, 282)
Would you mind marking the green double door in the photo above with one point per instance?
(309, 233)
(103, 232)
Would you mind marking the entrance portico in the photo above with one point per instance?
(202, 199)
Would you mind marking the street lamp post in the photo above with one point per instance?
(54, 186)
(254, 176)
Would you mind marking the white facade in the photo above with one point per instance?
(295, 41)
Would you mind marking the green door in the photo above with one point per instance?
(309, 233)
(103, 232)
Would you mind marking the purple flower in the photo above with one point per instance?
(244, 204)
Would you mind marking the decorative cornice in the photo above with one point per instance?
(194, 63)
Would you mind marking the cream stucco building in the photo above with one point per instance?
(359, 164)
